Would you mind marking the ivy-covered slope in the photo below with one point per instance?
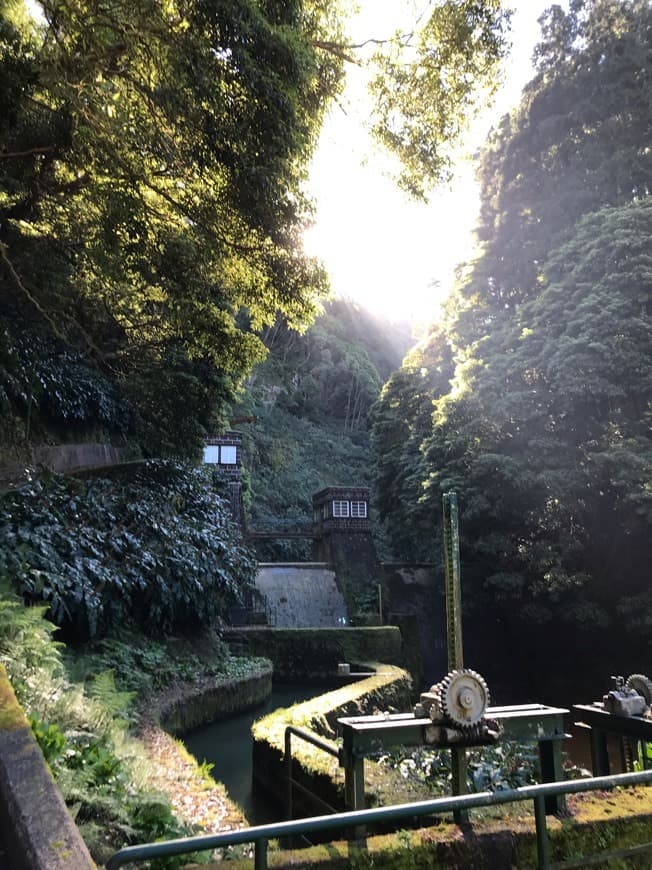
(153, 548)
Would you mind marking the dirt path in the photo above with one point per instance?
(195, 797)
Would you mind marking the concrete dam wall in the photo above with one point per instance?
(301, 595)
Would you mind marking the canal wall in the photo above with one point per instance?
(388, 689)
(37, 830)
(209, 699)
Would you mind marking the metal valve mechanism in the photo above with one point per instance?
(458, 703)
(630, 697)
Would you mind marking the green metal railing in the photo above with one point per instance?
(261, 835)
(291, 783)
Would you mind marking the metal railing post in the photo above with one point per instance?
(543, 841)
(260, 854)
(288, 774)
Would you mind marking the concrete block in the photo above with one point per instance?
(38, 831)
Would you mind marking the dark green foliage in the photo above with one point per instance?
(155, 550)
(315, 652)
(576, 144)
(544, 428)
(140, 664)
(99, 783)
(505, 766)
(150, 194)
(401, 419)
(50, 386)
(336, 369)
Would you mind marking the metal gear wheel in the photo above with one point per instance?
(641, 684)
(464, 697)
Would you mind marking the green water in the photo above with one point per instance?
(227, 745)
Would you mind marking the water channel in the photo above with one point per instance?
(227, 744)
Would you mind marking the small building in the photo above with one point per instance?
(341, 509)
(225, 451)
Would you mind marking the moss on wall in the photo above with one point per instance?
(37, 830)
(11, 714)
(389, 689)
(187, 705)
(314, 653)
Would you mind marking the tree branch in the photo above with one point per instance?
(44, 149)
(14, 274)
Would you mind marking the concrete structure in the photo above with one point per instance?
(37, 830)
(301, 595)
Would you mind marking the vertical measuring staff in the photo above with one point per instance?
(453, 584)
(454, 630)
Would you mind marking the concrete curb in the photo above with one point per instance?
(38, 831)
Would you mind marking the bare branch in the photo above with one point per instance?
(14, 274)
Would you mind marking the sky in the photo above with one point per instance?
(390, 254)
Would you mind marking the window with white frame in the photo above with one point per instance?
(212, 454)
(228, 455)
(340, 508)
(224, 455)
(359, 509)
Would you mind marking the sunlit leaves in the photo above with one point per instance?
(427, 91)
(151, 168)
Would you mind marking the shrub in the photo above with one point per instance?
(155, 549)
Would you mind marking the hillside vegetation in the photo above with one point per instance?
(310, 403)
(540, 376)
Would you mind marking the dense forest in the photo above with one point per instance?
(152, 195)
(533, 398)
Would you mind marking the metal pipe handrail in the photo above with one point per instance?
(311, 738)
(261, 834)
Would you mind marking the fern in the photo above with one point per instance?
(103, 689)
(26, 644)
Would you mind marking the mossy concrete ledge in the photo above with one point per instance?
(314, 653)
(37, 830)
(388, 689)
(597, 823)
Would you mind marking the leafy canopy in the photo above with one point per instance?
(152, 166)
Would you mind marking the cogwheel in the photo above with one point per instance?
(641, 684)
(464, 697)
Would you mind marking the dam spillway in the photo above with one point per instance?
(301, 594)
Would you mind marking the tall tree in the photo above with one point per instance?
(152, 161)
(401, 420)
(577, 142)
(544, 430)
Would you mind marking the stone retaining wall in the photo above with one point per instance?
(317, 770)
(189, 705)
